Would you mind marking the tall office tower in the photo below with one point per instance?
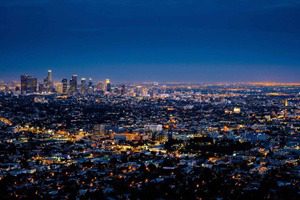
(73, 85)
(48, 82)
(90, 86)
(64, 86)
(59, 88)
(28, 84)
(49, 76)
(107, 85)
(74, 78)
(83, 86)
(45, 85)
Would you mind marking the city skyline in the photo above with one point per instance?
(41, 77)
(156, 99)
(186, 41)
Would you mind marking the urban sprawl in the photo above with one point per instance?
(76, 139)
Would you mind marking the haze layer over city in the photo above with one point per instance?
(128, 99)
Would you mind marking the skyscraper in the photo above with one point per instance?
(83, 86)
(59, 88)
(28, 84)
(64, 86)
(47, 85)
(73, 85)
(49, 77)
(90, 86)
(48, 82)
(107, 85)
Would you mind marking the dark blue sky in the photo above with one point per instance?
(153, 40)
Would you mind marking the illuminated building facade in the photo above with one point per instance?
(73, 85)
(83, 86)
(107, 85)
(64, 86)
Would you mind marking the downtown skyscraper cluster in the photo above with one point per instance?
(30, 84)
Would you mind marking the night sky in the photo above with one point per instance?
(152, 40)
